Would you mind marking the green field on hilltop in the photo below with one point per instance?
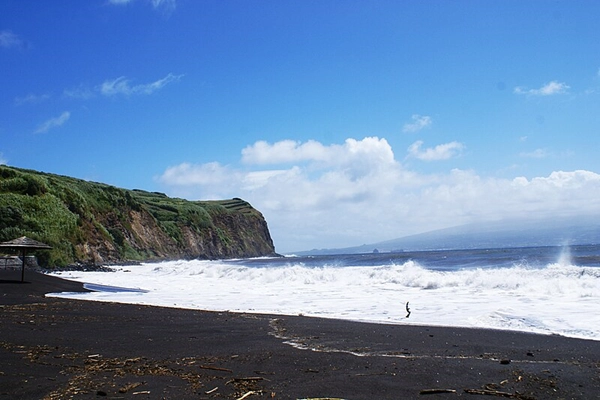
(73, 214)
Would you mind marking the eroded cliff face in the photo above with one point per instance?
(232, 235)
(92, 223)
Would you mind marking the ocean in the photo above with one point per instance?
(547, 290)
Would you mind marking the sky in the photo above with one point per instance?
(343, 122)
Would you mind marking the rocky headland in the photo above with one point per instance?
(89, 223)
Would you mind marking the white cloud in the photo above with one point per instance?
(338, 182)
(53, 122)
(194, 174)
(122, 86)
(418, 122)
(9, 39)
(537, 153)
(166, 4)
(31, 99)
(355, 160)
(439, 152)
(81, 92)
(3, 161)
(329, 198)
(551, 88)
(282, 152)
(368, 150)
(315, 204)
(357, 192)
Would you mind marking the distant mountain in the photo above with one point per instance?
(508, 233)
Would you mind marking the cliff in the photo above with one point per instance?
(93, 223)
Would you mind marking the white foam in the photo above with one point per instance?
(559, 299)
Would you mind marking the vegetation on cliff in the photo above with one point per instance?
(93, 223)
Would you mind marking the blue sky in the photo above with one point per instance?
(343, 122)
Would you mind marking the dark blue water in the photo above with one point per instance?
(449, 260)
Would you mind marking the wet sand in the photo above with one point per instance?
(60, 349)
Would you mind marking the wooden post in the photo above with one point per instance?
(23, 266)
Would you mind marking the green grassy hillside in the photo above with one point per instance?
(94, 223)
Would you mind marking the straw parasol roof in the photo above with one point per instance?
(24, 243)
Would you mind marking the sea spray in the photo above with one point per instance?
(532, 289)
(565, 257)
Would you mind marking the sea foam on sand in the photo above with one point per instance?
(554, 299)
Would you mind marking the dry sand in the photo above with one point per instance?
(63, 349)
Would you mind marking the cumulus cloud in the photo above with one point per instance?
(282, 152)
(331, 166)
(418, 123)
(53, 122)
(122, 86)
(287, 151)
(356, 192)
(437, 153)
(551, 88)
(9, 39)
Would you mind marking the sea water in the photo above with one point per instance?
(549, 290)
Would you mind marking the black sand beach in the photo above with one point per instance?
(62, 349)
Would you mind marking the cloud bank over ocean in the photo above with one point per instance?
(343, 193)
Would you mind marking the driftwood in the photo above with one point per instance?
(250, 393)
(215, 368)
(499, 394)
(250, 378)
(130, 386)
(407, 310)
(436, 391)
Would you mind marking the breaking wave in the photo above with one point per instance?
(555, 297)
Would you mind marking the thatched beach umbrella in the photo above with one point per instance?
(24, 244)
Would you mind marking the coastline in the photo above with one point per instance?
(55, 348)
